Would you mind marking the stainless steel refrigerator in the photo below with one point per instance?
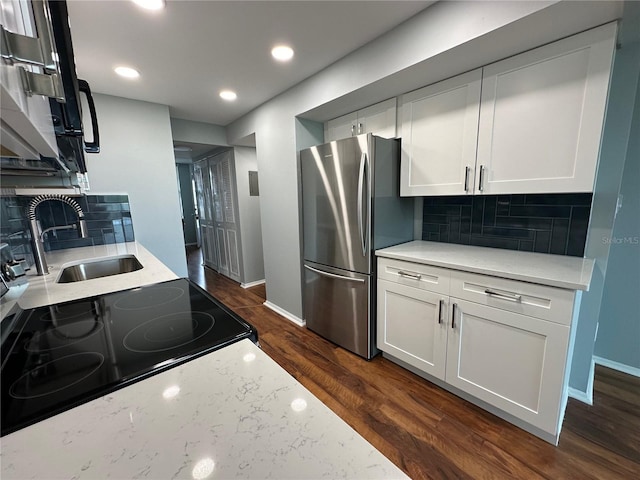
(351, 206)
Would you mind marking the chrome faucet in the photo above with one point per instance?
(36, 230)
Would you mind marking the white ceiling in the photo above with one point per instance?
(192, 49)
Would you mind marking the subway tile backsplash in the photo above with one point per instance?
(108, 220)
(545, 223)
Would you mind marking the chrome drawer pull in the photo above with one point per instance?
(507, 296)
(415, 276)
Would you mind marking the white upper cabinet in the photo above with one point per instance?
(529, 124)
(379, 119)
(541, 116)
(439, 137)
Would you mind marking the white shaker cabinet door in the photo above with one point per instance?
(411, 326)
(378, 119)
(439, 137)
(511, 361)
(341, 127)
(541, 116)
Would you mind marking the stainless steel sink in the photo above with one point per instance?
(99, 268)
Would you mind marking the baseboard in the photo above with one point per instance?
(252, 284)
(585, 397)
(285, 314)
(580, 396)
(620, 367)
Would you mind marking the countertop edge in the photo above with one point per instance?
(466, 267)
(43, 290)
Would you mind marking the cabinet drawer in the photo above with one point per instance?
(539, 301)
(415, 275)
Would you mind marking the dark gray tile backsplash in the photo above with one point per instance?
(108, 220)
(545, 223)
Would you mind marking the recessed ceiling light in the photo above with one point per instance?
(150, 4)
(282, 53)
(228, 95)
(127, 72)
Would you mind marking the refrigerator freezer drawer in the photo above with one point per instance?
(337, 307)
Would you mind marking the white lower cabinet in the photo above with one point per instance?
(487, 345)
(511, 361)
(412, 326)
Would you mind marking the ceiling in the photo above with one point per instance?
(189, 51)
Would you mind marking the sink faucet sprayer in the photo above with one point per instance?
(36, 231)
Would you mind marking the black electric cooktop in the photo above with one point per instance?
(59, 356)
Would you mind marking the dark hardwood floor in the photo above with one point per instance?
(427, 431)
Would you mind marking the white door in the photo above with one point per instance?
(541, 116)
(439, 137)
(511, 361)
(226, 215)
(204, 197)
(412, 326)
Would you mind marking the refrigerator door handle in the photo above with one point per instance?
(333, 275)
(361, 179)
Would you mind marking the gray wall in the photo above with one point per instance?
(619, 328)
(613, 152)
(249, 212)
(198, 132)
(136, 158)
(446, 39)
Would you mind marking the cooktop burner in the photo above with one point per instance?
(168, 331)
(60, 356)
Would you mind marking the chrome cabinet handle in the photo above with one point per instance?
(353, 130)
(466, 178)
(513, 297)
(481, 180)
(415, 276)
(360, 129)
(440, 303)
(453, 315)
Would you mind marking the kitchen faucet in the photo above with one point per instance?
(37, 233)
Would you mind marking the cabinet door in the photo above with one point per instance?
(378, 119)
(225, 211)
(412, 326)
(341, 127)
(439, 137)
(541, 116)
(511, 361)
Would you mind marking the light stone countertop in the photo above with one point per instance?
(43, 290)
(554, 270)
(234, 413)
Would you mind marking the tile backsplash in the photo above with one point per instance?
(108, 220)
(545, 223)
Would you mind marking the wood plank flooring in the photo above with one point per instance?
(430, 433)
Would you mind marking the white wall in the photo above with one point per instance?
(249, 211)
(136, 158)
(445, 39)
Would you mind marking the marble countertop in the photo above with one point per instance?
(43, 290)
(554, 270)
(234, 413)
